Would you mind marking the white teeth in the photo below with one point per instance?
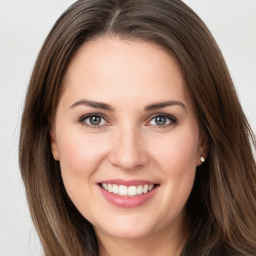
(110, 189)
(115, 189)
(150, 187)
(145, 189)
(139, 190)
(132, 191)
(122, 190)
(105, 186)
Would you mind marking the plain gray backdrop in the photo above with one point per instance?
(24, 25)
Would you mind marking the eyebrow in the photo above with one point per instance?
(101, 105)
(93, 104)
(165, 104)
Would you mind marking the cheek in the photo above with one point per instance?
(79, 158)
(178, 153)
(177, 158)
(79, 154)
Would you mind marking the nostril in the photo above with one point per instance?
(128, 151)
(129, 159)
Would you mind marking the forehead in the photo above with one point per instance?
(108, 66)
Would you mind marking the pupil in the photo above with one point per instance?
(160, 120)
(95, 120)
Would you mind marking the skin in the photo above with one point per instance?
(128, 143)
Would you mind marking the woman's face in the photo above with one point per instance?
(127, 138)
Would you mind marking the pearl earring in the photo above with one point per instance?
(202, 159)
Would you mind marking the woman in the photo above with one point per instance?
(133, 140)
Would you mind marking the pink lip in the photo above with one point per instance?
(127, 182)
(127, 201)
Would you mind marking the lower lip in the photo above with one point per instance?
(127, 201)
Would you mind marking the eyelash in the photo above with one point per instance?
(171, 119)
(83, 118)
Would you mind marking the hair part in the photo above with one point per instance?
(222, 205)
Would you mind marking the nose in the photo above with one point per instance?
(127, 150)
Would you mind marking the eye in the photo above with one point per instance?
(93, 120)
(162, 120)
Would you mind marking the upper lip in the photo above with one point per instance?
(127, 182)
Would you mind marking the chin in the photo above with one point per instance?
(127, 233)
(126, 228)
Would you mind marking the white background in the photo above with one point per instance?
(24, 25)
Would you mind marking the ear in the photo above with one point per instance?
(202, 150)
(54, 147)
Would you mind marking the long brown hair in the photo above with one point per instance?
(221, 210)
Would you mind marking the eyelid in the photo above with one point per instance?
(173, 120)
(82, 118)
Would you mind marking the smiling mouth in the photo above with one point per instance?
(128, 191)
